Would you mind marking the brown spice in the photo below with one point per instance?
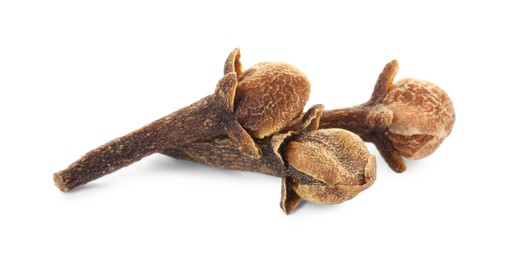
(254, 122)
(410, 118)
(340, 168)
(216, 115)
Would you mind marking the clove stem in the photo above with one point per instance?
(221, 152)
(351, 119)
(207, 118)
(359, 120)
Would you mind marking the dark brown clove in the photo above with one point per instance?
(326, 166)
(254, 122)
(262, 99)
(410, 118)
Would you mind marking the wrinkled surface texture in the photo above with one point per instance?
(337, 158)
(268, 96)
(333, 156)
(423, 117)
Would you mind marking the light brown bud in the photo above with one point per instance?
(410, 118)
(329, 166)
(268, 96)
(423, 116)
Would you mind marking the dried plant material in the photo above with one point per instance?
(331, 156)
(338, 165)
(211, 117)
(326, 166)
(264, 109)
(424, 117)
(254, 122)
(410, 118)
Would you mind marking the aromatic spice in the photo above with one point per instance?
(254, 122)
(282, 92)
(325, 166)
(410, 118)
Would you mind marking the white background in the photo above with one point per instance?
(75, 74)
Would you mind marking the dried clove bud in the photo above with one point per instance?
(325, 166)
(281, 92)
(271, 94)
(328, 166)
(254, 122)
(410, 118)
(424, 117)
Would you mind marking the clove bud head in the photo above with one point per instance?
(268, 96)
(329, 166)
(423, 116)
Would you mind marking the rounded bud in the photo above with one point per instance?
(269, 95)
(330, 165)
(423, 116)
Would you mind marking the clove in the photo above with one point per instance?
(260, 101)
(254, 121)
(410, 118)
(326, 166)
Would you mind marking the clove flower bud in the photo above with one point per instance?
(254, 121)
(263, 99)
(410, 118)
(328, 166)
(423, 117)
